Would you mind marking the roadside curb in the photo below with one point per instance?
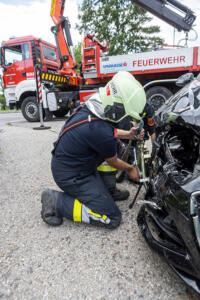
(9, 112)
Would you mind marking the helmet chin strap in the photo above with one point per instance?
(115, 125)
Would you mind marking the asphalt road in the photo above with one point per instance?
(11, 117)
(73, 261)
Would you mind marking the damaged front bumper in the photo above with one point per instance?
(165, 240)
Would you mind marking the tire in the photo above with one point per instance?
(60, 113)
(30, 109)
(157, 96)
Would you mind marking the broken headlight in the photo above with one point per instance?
(195, 213)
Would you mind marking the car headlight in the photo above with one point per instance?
(195, 213)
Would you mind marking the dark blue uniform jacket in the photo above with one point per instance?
(87, 144)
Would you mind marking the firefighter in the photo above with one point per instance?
(88, 138)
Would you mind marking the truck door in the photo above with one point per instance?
(16, 63)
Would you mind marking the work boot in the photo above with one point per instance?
(119, 195)
(48, 213)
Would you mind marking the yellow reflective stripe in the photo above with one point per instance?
(104, 217)
(77, 211)
(106, 168)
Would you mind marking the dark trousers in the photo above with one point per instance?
(85, 198)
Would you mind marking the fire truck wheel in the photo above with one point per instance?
(30, 109)
(157, 96)
(60, 113)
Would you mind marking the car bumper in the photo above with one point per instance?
(175, 255)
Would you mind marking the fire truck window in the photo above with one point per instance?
(26, 52)
(13, 54)
(49, 53)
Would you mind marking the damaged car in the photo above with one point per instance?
(170, 218)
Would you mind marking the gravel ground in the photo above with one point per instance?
(73, 261)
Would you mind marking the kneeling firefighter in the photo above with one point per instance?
(86, 140)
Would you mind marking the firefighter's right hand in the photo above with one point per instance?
(140, 136)
(133, 174)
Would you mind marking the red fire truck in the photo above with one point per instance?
(18, 56)
(157, 71)
(63, 86)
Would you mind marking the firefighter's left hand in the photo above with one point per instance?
(133, 134)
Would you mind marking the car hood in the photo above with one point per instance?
(183, 108)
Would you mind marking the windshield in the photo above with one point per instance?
(13, 54)
(49, 53)
(182, 108)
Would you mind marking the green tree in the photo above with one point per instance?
(124, 24)
(77, 53)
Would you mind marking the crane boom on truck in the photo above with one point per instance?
(63, 39)
(183, 19)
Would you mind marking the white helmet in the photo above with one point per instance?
(122, 96)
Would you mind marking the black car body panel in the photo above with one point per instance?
(173, 230)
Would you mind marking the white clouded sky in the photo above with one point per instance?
(32, 17)
(167, 30)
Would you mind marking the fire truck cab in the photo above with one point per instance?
(18, 57)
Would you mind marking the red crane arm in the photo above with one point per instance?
(63, 41)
